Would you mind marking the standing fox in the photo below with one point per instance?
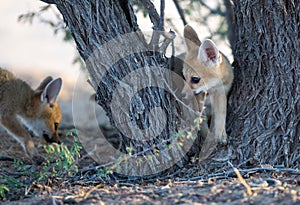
(209, 74)
(37, 110)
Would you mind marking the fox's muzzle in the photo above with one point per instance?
(186, 93)
(196, 92)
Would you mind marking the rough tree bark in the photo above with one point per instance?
(122, 65)
(264, 107)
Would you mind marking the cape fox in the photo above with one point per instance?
(37, 110)
(209, 75)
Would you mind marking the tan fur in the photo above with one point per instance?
(21, 105)
(216, 76)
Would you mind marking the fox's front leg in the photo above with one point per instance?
(218, 120)
(20, 134)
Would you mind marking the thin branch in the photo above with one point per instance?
(6, 158)
(48, 1)
(180, 11)
(230, 22)
(162, 15)
(154, 40)
(213, 11)
(228, 173)
(155, 19)
(242, 180)
(169, 37)
(154, 43)
(150, 8)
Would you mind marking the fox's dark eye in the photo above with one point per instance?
(195, 80)
(56, 125)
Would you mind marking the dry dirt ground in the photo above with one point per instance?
(185, 185)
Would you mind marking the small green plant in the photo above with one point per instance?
(198, 121)
(62, 160)
(179, 138)
(59, 163)
(103, 172)
(129, 150)
(3, 190)
(8, 183)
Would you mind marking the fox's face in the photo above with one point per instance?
(46, 115)
(51, 114)
(202, 64)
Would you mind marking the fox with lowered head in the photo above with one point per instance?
(22, 107)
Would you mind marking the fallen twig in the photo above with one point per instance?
(242, 180)
(6, 158)
(226, 174)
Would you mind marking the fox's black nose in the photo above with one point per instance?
(51, 139)
(47, 138)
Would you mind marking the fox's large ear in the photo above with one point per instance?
(209, 53)
(44, 83)
(51, 91)
(191, 39)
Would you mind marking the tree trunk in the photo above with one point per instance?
(132, 84)
(264, 107)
